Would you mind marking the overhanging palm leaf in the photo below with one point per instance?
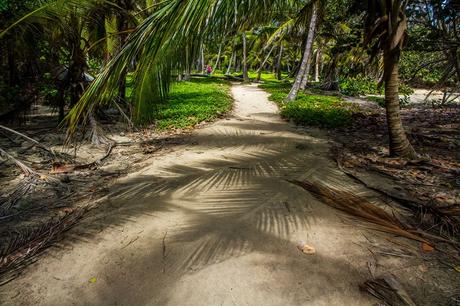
(157, 47)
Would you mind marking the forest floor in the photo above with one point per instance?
(214, 219)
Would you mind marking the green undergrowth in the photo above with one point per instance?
(311, 109)
(190, 103)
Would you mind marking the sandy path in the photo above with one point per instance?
(214, 223)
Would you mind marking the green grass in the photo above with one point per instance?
(190, 103)
(311, 109)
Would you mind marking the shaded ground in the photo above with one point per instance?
(217, 223)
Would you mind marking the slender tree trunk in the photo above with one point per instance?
(259, 71)
(399, 144)
(330, 80)
(319, 58)
(301, 78)
(311, 37)
(230, 63)
(218, 56)
(187, 64)
(245, 59)
(278, 63)
(202, 59)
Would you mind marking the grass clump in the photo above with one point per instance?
(190, 103)
(317, 110)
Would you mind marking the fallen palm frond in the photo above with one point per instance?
(363, 209)
(29, 139)
(24, 168)
(22, 248)
(389, 290)
(431, 217)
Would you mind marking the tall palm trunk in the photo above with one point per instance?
(399, 144)
(245, 59)
(319, 57)
(278, 63)
(187, 64)
(305, 64)
(203, 68)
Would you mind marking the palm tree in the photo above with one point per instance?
(386, 26)
(302, 75)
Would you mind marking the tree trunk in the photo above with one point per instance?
(278, 63)
(319, 57)
(301, 78)
(399, 144)
(245, 60)
(187, 64)
(218, 56)
(259, 71)
(230, 63)
(309, 46)
(203, 69)
(330, 80)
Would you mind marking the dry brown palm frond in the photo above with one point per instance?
(22, 248)
(363, 209)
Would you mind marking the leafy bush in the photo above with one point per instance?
(358, 86)
(317, 110)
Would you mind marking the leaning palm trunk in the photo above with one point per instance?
(311, 37)
(399, 144)
(230, 63)
(259, 71)
(304, 66)
(245, 59)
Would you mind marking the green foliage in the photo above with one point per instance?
(422, 68)
(358, 86)
(317, 110)
(191, 103)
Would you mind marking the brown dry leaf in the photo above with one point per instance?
(426, 248)
(306, 249)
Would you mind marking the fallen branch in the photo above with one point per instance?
(59, 168)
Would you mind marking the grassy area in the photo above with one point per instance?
(190, 103)
(311, 109)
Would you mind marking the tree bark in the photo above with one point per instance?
(259, 71)
(399, 144)
(245, 59)
(187, 64)
(230, 63)
(301, 78)
(319, 57)
(278, 63)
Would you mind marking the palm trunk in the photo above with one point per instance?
(319, 57)
(301, 78)
(245, 60)
(309, 47)
(259, 71)
(278, 64)
(218, 56)
(399, 144)
(187, 64)
(230, 63)
(202, 59)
